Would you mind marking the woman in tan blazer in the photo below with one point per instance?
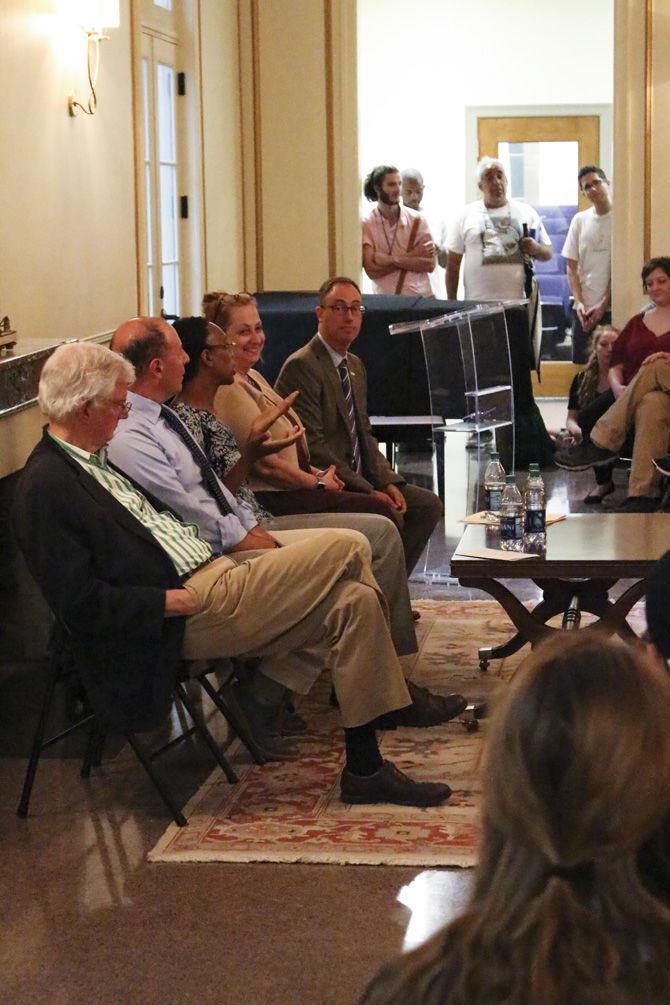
(285, 482)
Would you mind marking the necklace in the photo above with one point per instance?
(254, 383)
(390, 241)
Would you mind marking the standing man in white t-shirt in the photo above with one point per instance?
(588, 254)
(489, 236)
(398, 250)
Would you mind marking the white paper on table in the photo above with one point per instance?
(498, 554)
(480, 519)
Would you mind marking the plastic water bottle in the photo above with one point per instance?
(511, 517)
(535, 529)
(494, 483)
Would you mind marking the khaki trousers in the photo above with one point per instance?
(645, 402)
(388, 563)
(310, 604)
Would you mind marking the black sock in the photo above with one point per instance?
(363, 757)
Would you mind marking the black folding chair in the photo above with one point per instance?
(61, 673)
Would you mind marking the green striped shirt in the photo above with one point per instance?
(180, 540)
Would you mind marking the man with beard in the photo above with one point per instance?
(398, 250)
(489, 234)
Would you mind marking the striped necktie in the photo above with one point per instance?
(199, 456)
(346, 387)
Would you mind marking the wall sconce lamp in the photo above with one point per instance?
(94, 17)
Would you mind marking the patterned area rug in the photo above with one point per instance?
(291, 812)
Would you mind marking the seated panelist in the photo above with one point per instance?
(284, 482)
(155, 448)
(333, 408)
(211, 369)
(136, 589)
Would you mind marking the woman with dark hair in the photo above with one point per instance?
(273, 431)
(645, 338)
(576, 780)
(210, 359)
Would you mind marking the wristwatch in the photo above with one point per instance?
(320, 484)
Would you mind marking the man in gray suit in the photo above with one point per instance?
(332, 405)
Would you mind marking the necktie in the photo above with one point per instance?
(199, 456)
(346, 387)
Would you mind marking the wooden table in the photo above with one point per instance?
(585, 556)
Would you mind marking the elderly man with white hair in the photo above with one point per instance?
(497, 237)
(134, 589)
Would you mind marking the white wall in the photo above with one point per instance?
(421, 64)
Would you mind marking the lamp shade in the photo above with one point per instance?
(94, 15)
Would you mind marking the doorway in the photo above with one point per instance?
(168, 157)
(542, 155)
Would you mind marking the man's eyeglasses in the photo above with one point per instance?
(596, 183)
(228, 347)
(123, 407)
(343, 309)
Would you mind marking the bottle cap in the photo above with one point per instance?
(494, 455)
(534, 468)
(509, 480)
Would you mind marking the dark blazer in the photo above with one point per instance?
(104, 577)
(322, 408)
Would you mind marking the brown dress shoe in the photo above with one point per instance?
(390, 785)
(427, 709)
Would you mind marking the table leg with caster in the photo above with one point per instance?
(471, 715)
(485, 655)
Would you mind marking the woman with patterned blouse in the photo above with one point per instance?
(210, 367)
(211, 364)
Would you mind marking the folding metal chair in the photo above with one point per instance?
(61, 672)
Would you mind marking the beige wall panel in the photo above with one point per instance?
(345, 227)
(291, 47)
(67, 221)
(222, 146)
(629, 158)
(659, 216)
(18, 435)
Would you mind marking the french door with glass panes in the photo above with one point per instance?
(161, 255)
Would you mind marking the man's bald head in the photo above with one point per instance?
(140, 340)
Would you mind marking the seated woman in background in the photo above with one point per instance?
(590, 382)
(607, 420)
(573, 787)
(286, 482)
(646, 333)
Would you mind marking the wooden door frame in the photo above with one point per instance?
(581, 129)
(475, 112)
